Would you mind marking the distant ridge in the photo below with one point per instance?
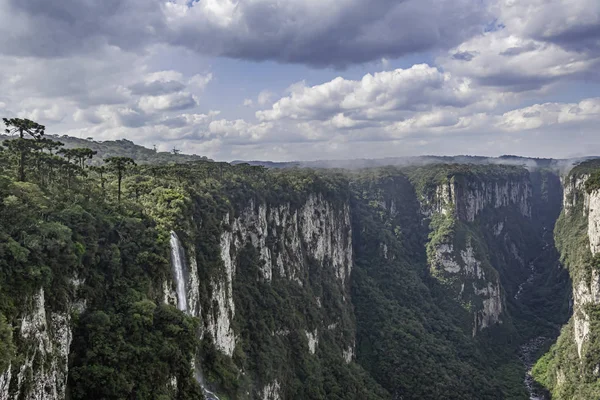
(125, 148)
(423, 160)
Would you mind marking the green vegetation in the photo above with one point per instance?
(561, 370)
(121, 148)
(89, 224)
(57, 227)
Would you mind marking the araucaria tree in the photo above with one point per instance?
(119, 165)
(22, 146)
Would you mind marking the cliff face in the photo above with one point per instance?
(467, 197)
(586, 283)
(285, 238)
(303, 247)
(306, 286)
(44, 340)
(468, 210)
(571, 366)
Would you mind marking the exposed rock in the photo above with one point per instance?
(5, 383)
(193, 295)
(583, 294)
(465, 200)
(444, 258)
(468, 199)
(348, 354)
(271, 391)
(594, 221)
(498, 228)
(490, 313)
(573, 191)
(284, 238)
(472, 265)
(42, 375)
(313, 340)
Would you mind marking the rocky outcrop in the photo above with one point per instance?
(464, 199)
(313, 340)
(469, 197)
(593, 206)
(465, 268)
(585, 290)
(42, 370)
(271, 391)
(584, 293)
(285, 237)
(574, 192)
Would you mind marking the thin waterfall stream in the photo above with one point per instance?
(178, 264)
(177, 257)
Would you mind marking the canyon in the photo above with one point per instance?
(437, 281)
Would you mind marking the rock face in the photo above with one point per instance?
(271, 391)
(461, 200)
(574, 192)
(42, 371)
(286, 238)
(593, 206)
(467, 198)
(586, 290)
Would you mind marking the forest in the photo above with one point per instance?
(90, 235)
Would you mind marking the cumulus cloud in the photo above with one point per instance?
(533, 44)
(322, 33)
(54, 29)
(548, 114)
(101, 69)
(156, 88)
(389, 95)
(265, 97)
(200, 81)
(500, 59)
(573, 24)
(168, 102)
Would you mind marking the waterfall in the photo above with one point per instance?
(177, 260)
(177, 257)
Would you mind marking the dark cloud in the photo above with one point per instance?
(572, 24)
(328, 34)
(463, 56)
(531, 114)
(174, 122)
(514, 82)
(317, 34)
(62, 28)
(578, 38)
(515, 51)
(156, 88)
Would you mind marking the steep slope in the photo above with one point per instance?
(571, 367)
(386, 283)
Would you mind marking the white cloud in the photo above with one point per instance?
(500, 59)
(571, 23)
(265, 97)
(168, 102)
(390, 95)
(83, 67)
(199, 81)
(548, 114)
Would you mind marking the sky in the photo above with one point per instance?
(290, 80)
